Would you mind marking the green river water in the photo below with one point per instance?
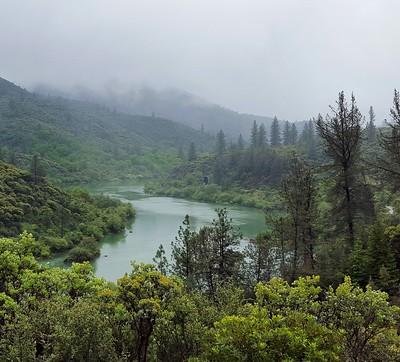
(157, 221)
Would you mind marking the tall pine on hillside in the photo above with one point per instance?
(371, 128)
(341, 133)
(286, 133)
(262, 136)
(275, 133)
(254, 135)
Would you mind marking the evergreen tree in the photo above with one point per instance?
(225, 238)
(381, 259)
(160, 260)
(183, 251)
(260, 259)
(192, 155)
(221, 144)
(359, 264)
(341, 133)
(305, 134)
(299, 196)
(254, 135)
(307, 139)
(390, 143)
(293, 134)
(275, 137)
(371, 128)
(262, 136)
(286, 134)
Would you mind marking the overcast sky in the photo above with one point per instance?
(286, 57)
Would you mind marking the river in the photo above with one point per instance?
(157, 221)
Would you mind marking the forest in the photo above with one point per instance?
(87, 142)
(320, 284)
(59, 219)
(199, 181)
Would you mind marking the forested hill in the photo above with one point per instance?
(84, 140)
(59, 219)
(179, 106)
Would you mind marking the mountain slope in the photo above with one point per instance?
(180, 106)
(84, 139)
(58, 219)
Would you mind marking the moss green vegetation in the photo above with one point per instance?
(60, 220)
(266, 198)
(69, 314)
(320, 284)
(80, 142)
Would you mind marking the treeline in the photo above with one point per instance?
(60, 220)
(337, 216)
(238, 172)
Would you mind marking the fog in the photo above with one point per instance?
(284, 58)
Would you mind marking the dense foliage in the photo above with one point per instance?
(69, 314)
(84, 142)
(60, 220)
(248, 175)
(320, 284)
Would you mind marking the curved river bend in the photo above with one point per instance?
(157, 221)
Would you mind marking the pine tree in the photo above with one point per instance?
(381, 260)
(254, 135)
(275, 133)
(221, 144)
(359, 264)
(183, 251)
(262, 136)
(226, 239)
(371, 128)
(160, 260)
(260, 259)
(293, 134)
(299, 196)
(341, 133)
(286, 134)
(390, 143)
(192, 155)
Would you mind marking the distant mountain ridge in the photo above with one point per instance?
(179, 106)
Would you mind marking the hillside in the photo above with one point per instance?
(179, 106)
(81, 142)
(58, 219)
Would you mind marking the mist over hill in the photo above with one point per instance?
(174, 104)
(87, 141)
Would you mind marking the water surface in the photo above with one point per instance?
(157, 221)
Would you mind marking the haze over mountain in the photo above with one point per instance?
(85, 138)
(174, 104)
